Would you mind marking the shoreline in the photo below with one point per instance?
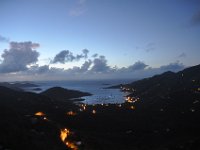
(151, 118)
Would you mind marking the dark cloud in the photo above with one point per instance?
(18, 57)
(196, 19)
(63, 56)
(93, 69)
(21, 56)
(3, 39)
(95, 55)
(43, 69)
(39, 69)
(18, 62)
(137, 66)
(97, 65)
(144, 71)
(85, 53)
(100, 65)
(98, 68)
(172, 67)
(67, 56)
(85, 67)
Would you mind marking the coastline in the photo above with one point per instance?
(157, 119)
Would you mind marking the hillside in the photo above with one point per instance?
(59, 93)
(165, 116)
(166, 83)
(21, 129)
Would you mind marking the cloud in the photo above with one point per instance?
(85, 52)
(196, 19)
(63, 56)
(95, 55)
(85, 67)
(182, 55)
(79, 8)
(38, 69)
(19, 56)
(92, 69)
(176, 66)
(97, 65)
(99, 69)
(67, 56)
(4, 39)
(18, 62)
(137, 66)
(100, 65)
(144, 71)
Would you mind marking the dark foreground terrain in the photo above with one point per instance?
(161, 113)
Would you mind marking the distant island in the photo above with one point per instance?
(58, 93)
(160, 112)
(19, 86)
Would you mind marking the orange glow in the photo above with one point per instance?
(129, 99)
(132, 107)
(132, 99)
(71, 113)
(39, 114)
(64, 134)
(71, 145)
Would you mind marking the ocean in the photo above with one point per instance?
(95, 87)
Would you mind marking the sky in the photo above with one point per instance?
(97, 39)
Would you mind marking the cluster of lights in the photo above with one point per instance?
(71, 113)
(131, 99)
(123, 88)
(41, 114)
(82, 107)
(64, 134)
